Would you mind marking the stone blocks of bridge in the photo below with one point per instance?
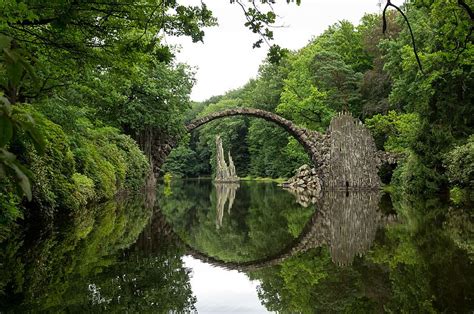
(351, 159)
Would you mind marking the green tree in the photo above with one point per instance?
(438, 95)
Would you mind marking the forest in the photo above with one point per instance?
(88, 88)
(425, 113)
(90, 91)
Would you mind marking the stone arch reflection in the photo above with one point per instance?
(345, 223)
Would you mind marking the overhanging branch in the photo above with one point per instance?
(384, 28)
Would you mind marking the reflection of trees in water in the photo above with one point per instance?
(346, 223)
(90, 264)
(225, 192)
(413, 266)
(258, 226)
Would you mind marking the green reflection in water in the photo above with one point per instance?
(419, 264)
(88, 265)
(262, 221)
(356, 260)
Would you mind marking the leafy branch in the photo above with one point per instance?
(12, 119)
(260, 23)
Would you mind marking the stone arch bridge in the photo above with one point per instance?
(345, 157)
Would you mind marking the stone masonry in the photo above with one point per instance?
(343, 158)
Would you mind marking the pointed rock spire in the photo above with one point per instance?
(224, 173)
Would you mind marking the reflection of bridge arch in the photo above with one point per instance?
(310, 140)
(300, 244)
(347, 224)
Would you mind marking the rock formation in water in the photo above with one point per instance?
(305, 183)
(224, 173)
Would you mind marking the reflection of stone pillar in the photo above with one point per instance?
(224, 192)
(352, 220)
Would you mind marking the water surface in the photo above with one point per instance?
(250, 248)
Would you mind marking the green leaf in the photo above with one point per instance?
(6, 130)
(21, 173)
(38, 140)
(6, 157)
(5, 105)
(27, 123)
(5, 42)
(11, 55)
(22, 180)
(15, 72)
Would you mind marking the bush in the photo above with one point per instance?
(10, 209)
(83, 188)
(459, 163)
(53, 187)
(112, 160)
(88, 163)
(394, 131)
(413, 177)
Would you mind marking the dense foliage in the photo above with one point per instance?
(74, 78)
(89, 89)
(87, 265)
(427, 116)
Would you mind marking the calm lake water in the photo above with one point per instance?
(244, 248)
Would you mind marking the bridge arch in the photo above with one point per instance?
(310, 140)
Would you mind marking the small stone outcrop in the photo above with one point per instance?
(224, 173)
(306, 178)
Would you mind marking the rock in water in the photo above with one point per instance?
(305, 185)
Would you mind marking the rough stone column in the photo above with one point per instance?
(351, 162)
(222, 172)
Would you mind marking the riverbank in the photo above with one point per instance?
(81, 162)
(263, 179)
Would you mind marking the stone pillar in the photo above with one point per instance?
(352, 161)
(224, 173)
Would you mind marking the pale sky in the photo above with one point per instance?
(222, 291)
(226, 59)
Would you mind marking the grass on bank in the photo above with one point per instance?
(168, 176)
(265, 179)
